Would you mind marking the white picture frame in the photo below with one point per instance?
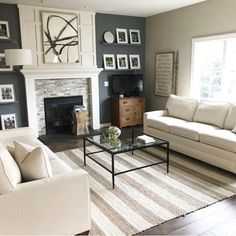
(3, 66)
(109, 61)
(134, 61)
(4, 30)
(60, 37)
(121, 36)
(122, 61)
(134, 36)
(8, 121)
(7, 93)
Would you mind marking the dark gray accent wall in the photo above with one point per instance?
(9, 12)
(107, 22)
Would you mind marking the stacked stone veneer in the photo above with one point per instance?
(60, 87)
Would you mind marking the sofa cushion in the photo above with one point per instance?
(211, 113)
(33, 162)
(164, 123)
(9, 172)
(190, 130)
(181, 107)
(230, 121)
(224, 139)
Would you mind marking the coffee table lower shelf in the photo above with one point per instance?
(112, 171)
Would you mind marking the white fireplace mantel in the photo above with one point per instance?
(33, 74)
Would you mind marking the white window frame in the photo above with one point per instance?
(207, 38)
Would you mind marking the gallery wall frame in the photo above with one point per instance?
(3, 66)
(4, 30)
(60, 37)
(121, 35)
(8, 121)
(134, 36)
(7, 93)
(165, 80)
(122, 61)
(134, 61)
(109, 61)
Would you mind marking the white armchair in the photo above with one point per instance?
(58, 205)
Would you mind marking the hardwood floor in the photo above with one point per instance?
(216, 220)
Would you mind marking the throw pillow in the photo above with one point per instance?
(33, 162)
(234, 129)
(9, 172)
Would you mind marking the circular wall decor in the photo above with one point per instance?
(108, 37)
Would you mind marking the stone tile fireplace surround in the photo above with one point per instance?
(41, 83)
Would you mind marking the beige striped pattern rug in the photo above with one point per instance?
(148, 197)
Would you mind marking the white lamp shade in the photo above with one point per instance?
(18, 57)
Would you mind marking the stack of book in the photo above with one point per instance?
(145, 139)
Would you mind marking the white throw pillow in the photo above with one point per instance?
(230, 121)
(32, 161)
(234, 129)
(181, 107)
(213, 113)
(9, 172)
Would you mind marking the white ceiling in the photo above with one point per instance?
(142, 8)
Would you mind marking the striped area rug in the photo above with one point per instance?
(148, 197)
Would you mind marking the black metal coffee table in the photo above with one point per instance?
(128, 144)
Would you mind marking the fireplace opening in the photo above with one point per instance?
(58, 113)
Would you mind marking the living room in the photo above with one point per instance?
(185, 196)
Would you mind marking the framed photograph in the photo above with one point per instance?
(109, 61)
(121, 35)
(134, 36)
(7, 93)
(3, 66)
(60, 37)
(164, 81)
(4, 30)
(8, 121)
(134, 61)
(122, 61)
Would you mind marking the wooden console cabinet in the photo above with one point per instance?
(127, 111)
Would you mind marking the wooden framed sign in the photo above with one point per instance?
(164, 82)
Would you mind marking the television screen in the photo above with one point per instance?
(128, 85)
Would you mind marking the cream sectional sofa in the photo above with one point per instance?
(57, 205)
(203, 130)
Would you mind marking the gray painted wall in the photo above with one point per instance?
(105, 22)
(9, 13)
(174, 31)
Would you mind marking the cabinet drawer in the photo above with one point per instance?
(125, 110)
(131, 102)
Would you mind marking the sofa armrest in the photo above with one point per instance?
(153, 114)
(11, 133)
(57, 205)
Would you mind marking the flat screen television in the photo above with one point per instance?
(127, 85)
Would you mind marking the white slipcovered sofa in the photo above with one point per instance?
(204, 130)
(57, 205)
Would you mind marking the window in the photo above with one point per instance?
(214, 68)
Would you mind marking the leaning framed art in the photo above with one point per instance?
(60, 37)
(165, 74)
